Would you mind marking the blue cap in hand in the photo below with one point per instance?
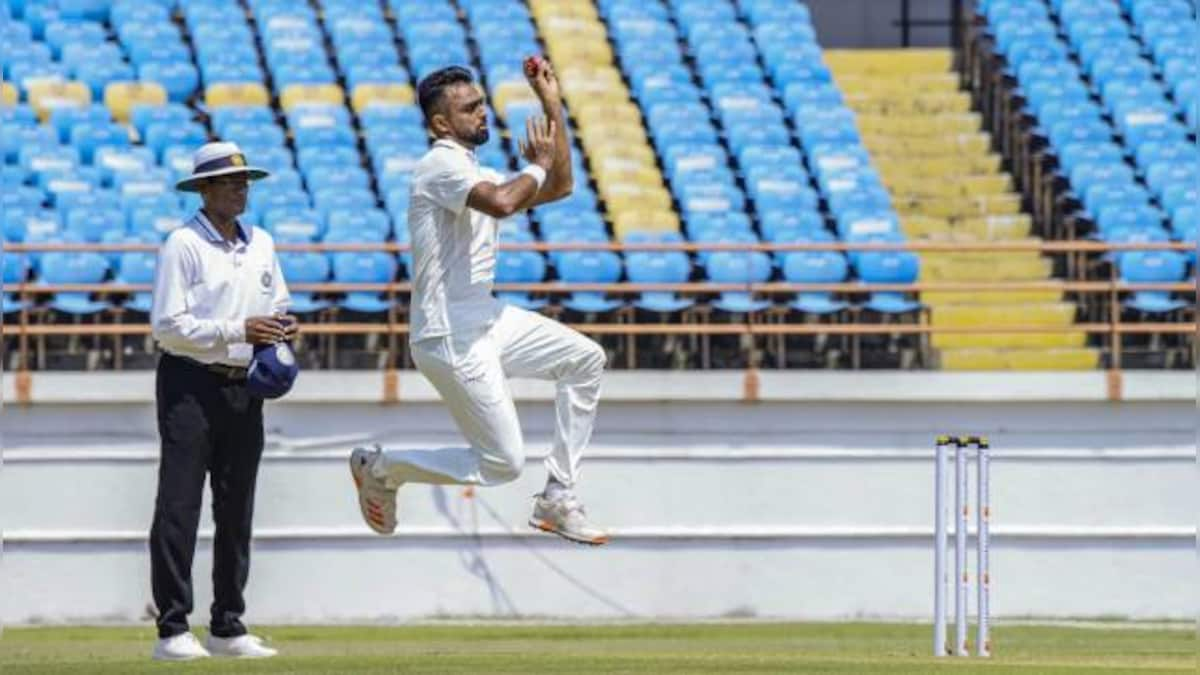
(272, 370)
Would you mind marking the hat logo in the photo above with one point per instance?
(265, 279)
(237, 160)
(284, 354)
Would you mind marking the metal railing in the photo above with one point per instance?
(774, 324)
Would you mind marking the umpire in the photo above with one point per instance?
(218, 293)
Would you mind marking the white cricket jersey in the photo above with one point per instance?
(453, 246)
(206, 287)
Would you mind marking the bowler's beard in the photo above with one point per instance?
(480, 137)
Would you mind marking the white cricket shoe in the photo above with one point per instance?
(376, 501)
(240, 647)
(565, 516)
(182, 647)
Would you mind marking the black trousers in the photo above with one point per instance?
(208, 424)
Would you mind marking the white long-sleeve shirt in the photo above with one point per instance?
(206, 287)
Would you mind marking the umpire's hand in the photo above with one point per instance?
(265, 330)
(291, 326)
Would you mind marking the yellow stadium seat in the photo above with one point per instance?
(599, 113)
(642, 174)
(1053, 359)
(585, 54)
(983, 267)
(634, 197)
(1012, 340)
(366, 95)
(544, 9)
(998, 228)
(312, 93)
(47, 95)
(1032, 314)
(936, 299)
(920, 227)
(972, 359)
(637, 220)
(604, 134)
(566, 33)
(610, 97)
(236, 93)
(120, 97)
(986, 184)
(511, 92)
(8, 94)
(615, 155)
(930, 103)
(889, 61)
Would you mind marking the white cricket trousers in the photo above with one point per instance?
(470, 372)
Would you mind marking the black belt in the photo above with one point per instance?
(220, 369)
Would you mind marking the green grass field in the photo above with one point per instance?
(630, 648)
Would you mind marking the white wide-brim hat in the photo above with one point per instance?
(218, 159)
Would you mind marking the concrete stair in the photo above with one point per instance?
(948, 185)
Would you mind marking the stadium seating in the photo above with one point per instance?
(703, 121)
(919, 129)
(1108, 143)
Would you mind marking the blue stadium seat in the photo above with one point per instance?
(143, 116)
(305, 267)
(137, 267)
(1153, 267)
(1119, 215)
(74, 268)
(888, 267)
(589, 267)
(330, 201)
(14, 138)
(92, 224)
(364, 268)
(16, 271)
(370, 224)
(324, 137)
(710, 225)
(23, 221)
(520, 267)
(571, 236)
(659, 267)
(19, 115)
(65, 117)
(293, 224)
(36, 159)
(180, 78)
(160, 135)
(87, 137)
(738, 267)
(61, 33)
(570, 220)
(815, 267)
(772, 222)
(310, 158)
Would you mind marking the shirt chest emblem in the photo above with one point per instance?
(265, 280)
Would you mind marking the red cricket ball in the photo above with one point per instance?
(531, 65)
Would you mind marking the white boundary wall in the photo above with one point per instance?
(813, 500)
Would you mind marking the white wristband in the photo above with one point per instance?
(537, 173)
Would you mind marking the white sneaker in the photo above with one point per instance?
(182, 647)
(566, 517)
(240, 647)
(376, 501)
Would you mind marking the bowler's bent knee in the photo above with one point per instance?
(504, 464)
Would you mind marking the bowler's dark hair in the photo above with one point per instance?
(432, 88)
